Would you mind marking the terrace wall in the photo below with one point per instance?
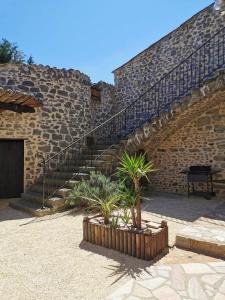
(148, 67)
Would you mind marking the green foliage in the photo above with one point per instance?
(126, 217)
(9, 53)
(98, 185)
(127, 197)
(106, 205)
(100, 192)
(114, 222)
(135, 167)
(30, 60)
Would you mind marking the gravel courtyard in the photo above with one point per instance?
(45, 258)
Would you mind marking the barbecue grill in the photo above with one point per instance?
(200, 174)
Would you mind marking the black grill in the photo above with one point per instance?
(200, 174)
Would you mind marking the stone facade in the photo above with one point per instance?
(148, 67)
(103, 108)
(201, 141)
(193, 133)
(66, 113)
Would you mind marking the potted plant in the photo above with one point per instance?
(134, 168)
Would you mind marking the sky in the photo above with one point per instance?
(93, 36)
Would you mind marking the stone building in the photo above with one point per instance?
(181, 68)
(146, 68)
(67, 111)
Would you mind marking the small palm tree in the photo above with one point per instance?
(106, 206)
(100, 192)
(135, 167)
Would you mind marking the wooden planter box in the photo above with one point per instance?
(141, 244)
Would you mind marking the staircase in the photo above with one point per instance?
(65, 169)
(64, 178)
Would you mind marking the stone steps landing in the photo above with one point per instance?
(63, 180)
(207, 239)
(30, 207)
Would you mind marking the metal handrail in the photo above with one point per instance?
(185, 76)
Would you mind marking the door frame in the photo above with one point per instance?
(19, 140)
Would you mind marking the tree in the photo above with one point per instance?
(135, 167)
(9, 53)
(30, 60)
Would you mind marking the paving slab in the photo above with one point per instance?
(207, 238)
(184, 281)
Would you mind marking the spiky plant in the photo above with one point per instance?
(101, 193)
(135, 167)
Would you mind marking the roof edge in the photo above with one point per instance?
(164, 37)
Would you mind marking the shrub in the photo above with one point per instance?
(100, 192)
(134, 168)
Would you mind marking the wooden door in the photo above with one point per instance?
(11, 168)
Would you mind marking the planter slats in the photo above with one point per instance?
(133, 235)
(129, 243)
(103, 235)
(117, 240)
(147, 247)
(109, 238)
(89, 232)
(121, 232)
(125, 243)
(106, 238)
(138, 245)
(113, 239)
(141, 244)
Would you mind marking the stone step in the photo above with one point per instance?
(91, 163)
(102, 157)
(30, 207)
(60, 191)
(207, 239)
(35, 197)
(78, 169)
(102, 151)
(70, 184)
(70, 175)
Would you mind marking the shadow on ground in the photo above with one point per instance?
(125, 266)
(178, 207)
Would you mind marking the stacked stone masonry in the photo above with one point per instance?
(66, 114)
(190, 134)
(193, 133)
(144, 70)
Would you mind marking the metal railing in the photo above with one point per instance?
(188, 75)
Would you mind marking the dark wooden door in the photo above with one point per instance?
(11, 168)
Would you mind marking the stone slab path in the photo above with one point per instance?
(179, 211)
(177, 282)
(207, 238)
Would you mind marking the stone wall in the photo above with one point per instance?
(200, 142)
(65, 115)
(104, 108)
(192, 133)
(145, 69)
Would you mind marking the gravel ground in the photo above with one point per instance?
(45, 258)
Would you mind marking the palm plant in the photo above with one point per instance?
(106, 205)
(135, 167)
(100, 192)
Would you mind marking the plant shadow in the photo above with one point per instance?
(125, 266)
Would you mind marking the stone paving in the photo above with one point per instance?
(206, 238)
(179, 211)
(177, 282)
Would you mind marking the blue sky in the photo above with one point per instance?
(93, 36)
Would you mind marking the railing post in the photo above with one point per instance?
(43, 187)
